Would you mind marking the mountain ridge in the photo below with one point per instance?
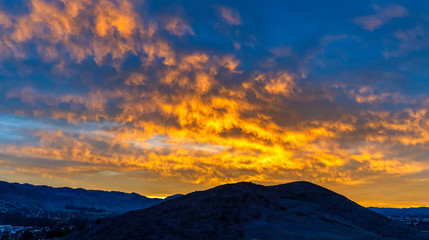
(57, 198)
(419, 211)
(298, 210)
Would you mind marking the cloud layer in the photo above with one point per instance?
(207, 94)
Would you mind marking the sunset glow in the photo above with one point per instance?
(160, 98)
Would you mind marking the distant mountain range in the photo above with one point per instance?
(15, 195)
(299, 210)
(420, 211)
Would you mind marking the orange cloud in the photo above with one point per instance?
(114, 26)
(176, 27)
(135, 79)
(213, 140)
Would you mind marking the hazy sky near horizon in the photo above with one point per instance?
(163, 97)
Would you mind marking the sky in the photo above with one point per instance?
(162, 97)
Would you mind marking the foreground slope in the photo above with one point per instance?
(298, 210)
(15, 195)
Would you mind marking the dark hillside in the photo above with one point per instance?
(15, 195)
(298, 210)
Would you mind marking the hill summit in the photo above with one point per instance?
(298, 210)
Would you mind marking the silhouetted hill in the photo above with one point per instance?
(17, 195)
(298, 210)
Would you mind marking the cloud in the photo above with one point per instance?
(382, 16)
(230, 15)
(112, 29)
(279, 83)
(412, 39)
(281, 51)
(177, 27)
(135, 79)
(367, 95)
